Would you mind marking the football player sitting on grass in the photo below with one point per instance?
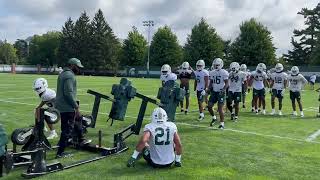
(47, 96)
(160, 144)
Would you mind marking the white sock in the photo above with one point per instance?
(202, 114)
(53, 131)
(222, 123)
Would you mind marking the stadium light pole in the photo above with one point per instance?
(148, 24)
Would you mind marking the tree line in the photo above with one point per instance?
(94, 42)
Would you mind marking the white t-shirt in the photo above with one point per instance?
(313, 78)
(49, 97)
(279, 80)
(161, 142)
(297, 82)
(168, 77)
(236, 80)
(199, 75)
(258, 80)
(217, 78)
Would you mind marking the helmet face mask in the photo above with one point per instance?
(200, 65)
(217, 64)
(185, 66)
(279, 67)
(159, 116)
(294, 70)
(40, 85)
(165, 70)
(243, 67)
(234, 67)
(261, 67)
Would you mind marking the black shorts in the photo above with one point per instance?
(200, 97)
(147, 157)
(186, 88)
(295, 95)
(277, 93)
(216, 97)
(234, 96)
(311, 82)
(259, 93)
(244, 90)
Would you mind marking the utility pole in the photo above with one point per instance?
(148, 24)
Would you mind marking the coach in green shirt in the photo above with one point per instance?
(66, 103)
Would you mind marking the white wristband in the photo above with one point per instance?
(178, 158)
(135, 154)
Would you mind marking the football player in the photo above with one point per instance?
(201, 85)
(243, 68)
(47, 96)
(258, 81)
(296, 82)
(217, 87)
(237, 82)
(160, 143)
(166, 74)
(279, 81)
(185, 73)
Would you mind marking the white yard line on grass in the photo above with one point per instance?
(313, 136)
(248, 132)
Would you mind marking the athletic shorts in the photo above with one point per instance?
(277, 93)
(295, 95)
(200, 97)
(312, 82)
(147, 157)
(259, 93)
(234, 96)
(216, 97)
(186, 88)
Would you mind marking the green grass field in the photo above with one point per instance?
(257, 147)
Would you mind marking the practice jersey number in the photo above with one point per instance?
(160, 132)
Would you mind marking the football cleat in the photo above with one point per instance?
(272, 112)
(221, 127)
(52, 135)
(236, 119)
(214, 120)
(294, 113)
(232, 116)
(200, 118)
(177, 164)
(264, 112)
(186, 112)
(280, 113)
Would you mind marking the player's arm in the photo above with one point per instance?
(178, 148)
(250, 81)
(37, 111)
(226, 85)
(195, 84)
(210, 85)
(139, 148)
(206, 82)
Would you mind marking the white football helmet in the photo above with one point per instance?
(261, 67)
(159, 116)
(243, 67)
(165, 69)
(234, 67)
(40, 85)
(200, 65)
(294, 70)
(217, 63)
(185, 66)
(279, 67)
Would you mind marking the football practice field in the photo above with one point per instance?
(256, 147)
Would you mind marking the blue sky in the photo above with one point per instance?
(23, 18)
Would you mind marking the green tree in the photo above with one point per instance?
(22, 49)
(67, 46)
(134, 49)
(306, 38)
(7, 53)
(83, 39)
(164, 48)
(43, 49)
(253, 45)
(105, 47)
(203, 43)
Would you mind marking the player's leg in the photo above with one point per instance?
(255, 101)
(263, 100)
(211, 102)
(229, 101)
(187, 101)
(52, 134)
(293, 103)
(200, 105)
(298, 96)
(237, 101)
(273, 97)
(221, 114)
(280, 98)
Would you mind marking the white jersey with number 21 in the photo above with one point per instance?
(161, 142)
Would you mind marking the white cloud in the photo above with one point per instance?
(20, 19)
